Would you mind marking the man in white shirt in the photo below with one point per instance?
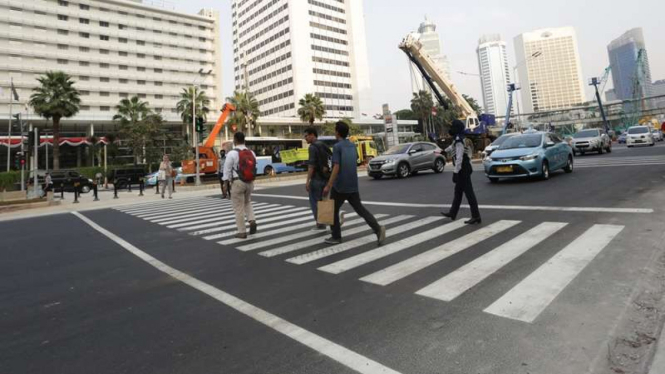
(241, 199)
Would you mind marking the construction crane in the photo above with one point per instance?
(595, 82)
(207, 154)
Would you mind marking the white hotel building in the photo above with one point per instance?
(284, 49)
(113, 49)
(494, 73)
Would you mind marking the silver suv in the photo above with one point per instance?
(406, 159)
(591, 140)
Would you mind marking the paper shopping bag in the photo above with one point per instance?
(325, 214)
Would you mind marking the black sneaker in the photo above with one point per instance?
(319, 228)
(332, 240)
(381, 235)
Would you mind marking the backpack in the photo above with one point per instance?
(324, 158)
(246, 165)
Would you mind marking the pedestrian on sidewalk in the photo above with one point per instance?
(239, 174)
(48, 183)
(164, 175)
(343, 185)
(220, 171)
(462, 176)
(318, 171)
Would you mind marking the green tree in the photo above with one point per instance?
(474, 104)
(311, 108)
(406, 114)
(184, 106)
(247, 111)
(55, 98)
(139, 125)
(328, 128)
(421, 105)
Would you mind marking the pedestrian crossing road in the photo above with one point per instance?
(285, 234)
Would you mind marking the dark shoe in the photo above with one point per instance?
(241, 236)
(252, 227)
(381, 235)
(448, 215)
(318, 228)
(162, 196)
(474, 221)
(332, 240)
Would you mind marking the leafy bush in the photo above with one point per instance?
(9, 179)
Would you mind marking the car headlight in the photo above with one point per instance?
(388, 162)
(529, 157)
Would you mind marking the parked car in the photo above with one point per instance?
(622, 138)
(496, 144)
(639, 135)
(68, 179)
(406, 159)
(591, 140)
(657, 135)
(151, 179)
(529, 155)
(125, 176)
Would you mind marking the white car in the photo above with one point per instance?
(657, 135)
(639, 135)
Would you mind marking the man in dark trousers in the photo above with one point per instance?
(462, 176)
(343, 185)
(318, 171)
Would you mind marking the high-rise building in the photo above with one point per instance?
(553, 79)
(431, 44)
(630, 65)
(285, 49)
(113, 49)
(494, 73)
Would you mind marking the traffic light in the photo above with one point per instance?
(16, 122)
(22, 159)
(200, 124)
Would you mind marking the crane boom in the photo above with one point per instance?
(413, 48)
(226, 110)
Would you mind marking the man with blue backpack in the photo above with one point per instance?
(239, 175)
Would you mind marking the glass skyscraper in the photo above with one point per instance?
(624, 53)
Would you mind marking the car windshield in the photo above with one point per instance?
(398, 149)
(501, 139)
(638, 130)
(586, 134)
(522, 141)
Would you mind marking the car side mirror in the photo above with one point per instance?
(549, 144)
(412, 151)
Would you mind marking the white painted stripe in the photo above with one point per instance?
(219, 212)
(283, 230)
(346, 246)
(425, 259)
(615, 165)
(288, 238)
(228, 218)
(153, 211)
(261, 228)
(469, 275)
(317, 241)
(344, 356)
(195, 213)
(156, 204)
(216, 217)
(386, 250)
(529, 298)
(259, 219)
(498, 207)
(171, 214)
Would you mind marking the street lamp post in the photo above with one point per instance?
(533, 55)
(197, 180)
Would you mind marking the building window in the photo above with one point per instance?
(84, 49)
(104, 37)
(62, 17)
(84, 78)
(123, 81)
(63, 47)
(122, 40)
(158, 83)
(63, 3)
(158, 71)
(157, 45)
(84, 63)
(84, 21)
(84, 93)
(158, 57)
(159, 96)
(84, 7)
(85, 107)
(122, 27)
(140, 68)
(104, 51)
(202, 39)
(84, 35)
(124, 54)
(63, 32)
(104, 79)
(142, 95)
(142, 83)
(105, 108)
(104, 94)
(124, 94)
(103, 24)
(140, 55)
(62, 62)
(140, 42)
(104, 65)
(123, 67)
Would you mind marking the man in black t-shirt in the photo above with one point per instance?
(318, 171)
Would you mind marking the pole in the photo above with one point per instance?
(106, 179)
(36, 159)
(20, 124)
(9, 128)
(594, 83)
(195, 136)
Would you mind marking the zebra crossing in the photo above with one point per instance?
(284, 232)
(593, 161)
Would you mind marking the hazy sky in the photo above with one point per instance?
(461, 23)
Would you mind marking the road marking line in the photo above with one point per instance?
(529, 298)
(498, 207)
(614, 165)
(194, 213)
(317, 241)
(157, 204)
(344, 356)
(386, 250)
(346, 246)
(216, 217)
(219, 213)
(407, 267)
(261, 228)
(282, 230)
(260, 220)
(154, 211)
(288, 238)
(469, 275)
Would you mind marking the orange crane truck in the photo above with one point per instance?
(208, 156)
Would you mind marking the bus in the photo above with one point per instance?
(268, 154)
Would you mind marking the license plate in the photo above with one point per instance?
(504, 169)
(374, 166)
(638, 141)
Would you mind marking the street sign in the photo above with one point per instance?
(392, 131)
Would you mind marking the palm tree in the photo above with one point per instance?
(55, 98)
(421, 105)
(247, 110)
(184, 106)
(137, 123)
(311, 108)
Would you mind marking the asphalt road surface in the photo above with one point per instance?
(163, 287)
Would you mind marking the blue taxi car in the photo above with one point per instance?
(532, 154)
